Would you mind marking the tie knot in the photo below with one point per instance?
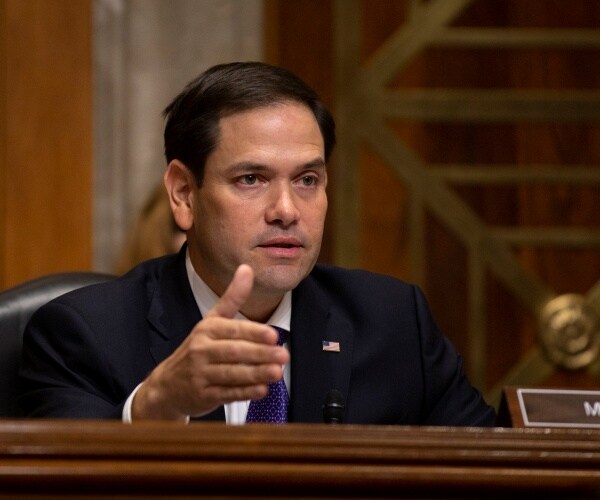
(282, 334)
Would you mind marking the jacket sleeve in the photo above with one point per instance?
(449, 397)
(63, 372)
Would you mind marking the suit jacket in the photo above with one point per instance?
(86, 351)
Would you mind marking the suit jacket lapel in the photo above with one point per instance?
(314, 372)
(173, 310)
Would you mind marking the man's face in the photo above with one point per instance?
(262, 201)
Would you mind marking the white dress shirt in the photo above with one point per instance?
(235, 413)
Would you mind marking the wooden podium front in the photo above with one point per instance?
(100, 459)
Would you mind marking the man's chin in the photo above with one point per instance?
(278, 280)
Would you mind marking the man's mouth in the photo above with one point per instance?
(282, 243)
(282, 247)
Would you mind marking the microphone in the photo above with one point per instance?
(333, 407)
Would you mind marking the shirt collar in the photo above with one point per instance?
(206, 299)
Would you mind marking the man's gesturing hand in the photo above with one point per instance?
(222, 360)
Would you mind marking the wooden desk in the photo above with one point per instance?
(61, 459)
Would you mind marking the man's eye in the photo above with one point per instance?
(248, 179)
(309, 180)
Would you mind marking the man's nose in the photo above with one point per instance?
(282, 208)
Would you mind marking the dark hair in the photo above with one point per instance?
(192, 118)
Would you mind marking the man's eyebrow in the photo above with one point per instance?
(316, 163)
(249, 166)
(246, 166)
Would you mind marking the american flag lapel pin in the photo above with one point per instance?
(330, 346)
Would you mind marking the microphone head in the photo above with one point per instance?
(333, 407)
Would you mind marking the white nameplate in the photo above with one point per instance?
(559, 408)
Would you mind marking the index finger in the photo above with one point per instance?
(236, 294)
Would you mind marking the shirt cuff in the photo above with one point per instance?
(127, 407)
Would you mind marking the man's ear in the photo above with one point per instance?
(181, 186)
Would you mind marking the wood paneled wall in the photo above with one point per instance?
(45, 138)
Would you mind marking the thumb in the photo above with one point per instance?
(236, 294)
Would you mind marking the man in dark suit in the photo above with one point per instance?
(191, 335)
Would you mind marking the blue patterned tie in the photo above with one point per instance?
(273, 408)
